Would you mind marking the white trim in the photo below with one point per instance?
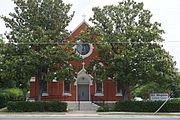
(44, 94)
(99, 94)
(118, 94)
(82, 70)
(66, 94)
(82, 73)
(79, 26)
(86, 55)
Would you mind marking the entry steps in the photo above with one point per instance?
(81, 106)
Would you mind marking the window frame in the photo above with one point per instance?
(118, 90)
(86, 55)
(102, 88)
(66, 93)
(45, 92)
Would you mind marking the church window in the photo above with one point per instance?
(66, 86)
(99, 86)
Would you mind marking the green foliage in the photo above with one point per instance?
(10, 94)
(103, 109)
(145, 90)
(36, 43)
(22, 106)
(3, 101)
(129, 44)
(175, 91)
(15, 92)
(147, 106)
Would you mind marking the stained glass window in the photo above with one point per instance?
(83, 48)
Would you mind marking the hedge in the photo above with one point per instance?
(147, 106)
(3, 100)
(26, 106)
(103, 109)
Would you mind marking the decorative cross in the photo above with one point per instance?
(84, 17)
(83, 64)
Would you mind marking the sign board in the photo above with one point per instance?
(33, 79)
(159, 96)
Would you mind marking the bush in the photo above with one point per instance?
(13, 92)
(103, 109)
(10, 94)
(147, 106)
(3, 101)
(26, 106)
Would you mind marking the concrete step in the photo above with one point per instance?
(81, 106)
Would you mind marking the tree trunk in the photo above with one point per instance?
(41, 73)
(125, 95)
(39, 88)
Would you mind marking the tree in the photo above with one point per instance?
(145, 90)
(4, 82)
(37, 43)
(129, 44)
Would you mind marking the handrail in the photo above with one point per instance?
(79, 105)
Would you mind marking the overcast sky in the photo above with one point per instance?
(166, 12)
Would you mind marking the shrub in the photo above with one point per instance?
(10, 94)
(147, 106)
(13, 92)
(3, 101)
(26, 106)
(103, 109)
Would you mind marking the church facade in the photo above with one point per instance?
(84, 88)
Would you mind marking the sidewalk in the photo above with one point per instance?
(84, 114)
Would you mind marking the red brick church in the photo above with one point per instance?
(85, 88)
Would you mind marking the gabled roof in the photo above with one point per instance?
(82, 26)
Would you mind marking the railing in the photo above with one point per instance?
(79, 105)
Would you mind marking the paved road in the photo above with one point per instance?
(129, 117)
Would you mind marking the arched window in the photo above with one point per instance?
(67, 86)
(44, 88)
(118, 88)
(99, 86)
(82, 48)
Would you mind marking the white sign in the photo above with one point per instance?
(33, 79)
(159, 96)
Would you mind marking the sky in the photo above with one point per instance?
(167, 12)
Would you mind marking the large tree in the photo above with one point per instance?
(37, 42)
(4, 82)
(130, 48)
